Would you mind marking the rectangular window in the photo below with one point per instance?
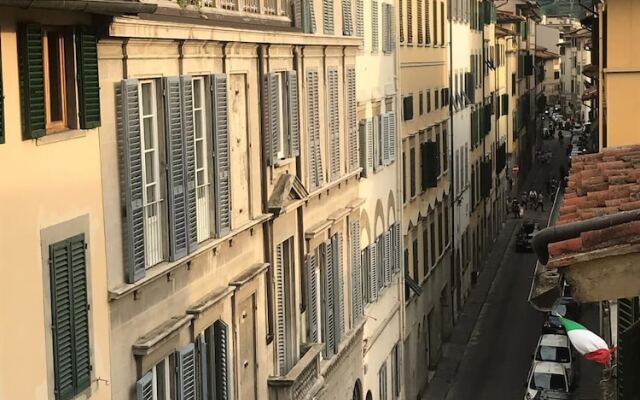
(436, 99)
(421, 103)
(54, 43)
(443, 17)
(404, 173)
(407, 108)
(445, 148)
(412, 166)
(428, 101)
(162, 379)
(374, 26)
(435, 23)
(416, 272)
(153, 203)
(420, 23)
(446, 224)
(439, 150)
(203, 213)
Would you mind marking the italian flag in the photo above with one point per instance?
(590, 345)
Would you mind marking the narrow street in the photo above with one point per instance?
(489, 354)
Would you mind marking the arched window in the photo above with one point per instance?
(357, 390)
(369, 395)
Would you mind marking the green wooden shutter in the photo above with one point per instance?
(316, 174)
(70, 318)
(327, 17)
(360, 18)
(308, 16)
(221, 344)
(144, 387)
(373, 274)
(221, 162)
(347, 22)
(88, 78)
(31, 81)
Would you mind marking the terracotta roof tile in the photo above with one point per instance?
(600, 184)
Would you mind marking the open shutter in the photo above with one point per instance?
(338, 296)
(384, 142)
(202, 350)
(30, 63)
(186, 365)
(356, 272)
(271, 115)
(292, 112)
(334, 123)
(316, 177)
(222, 178)
(144, 387)
(347, 22)
(77, 258)
(221, 344)
(375, 36)
(312, 290)
(186, 93)
(363, 147)
(387, 258)
(398, 247)
(308, 17)
(130, 156)
(328, 320)
(88, 83)
(392, 136)
(327, 17)
(352, 125)
(281, 339)
(385, 28)
(373, 273)
(360, 18)
(175, 168)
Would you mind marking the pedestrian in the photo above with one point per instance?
(540, 202)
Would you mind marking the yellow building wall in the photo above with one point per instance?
(50, 190)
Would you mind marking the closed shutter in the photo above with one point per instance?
(364, 147)
(334, 123)
(384, 142)
(186, 366)
(392, 136)
(356, 271)
(70, 317)
(202, 351)
(373, 274)
(385, 28)
(327, 17)
(221, 344)
(427, 30)
(409, 22)
(328, 320)
(144, 387)
(338, 295)
(308, 16)
(375, 38)
(293, 113)
(380, 263)
(130, 157)
(271, 115)
(316, 176)
(88, 84)
(360, 18)
(420, 23)
(175, 168)
(347, 22)
(352, 125)
(281, 339)
(186, 90)
(397, 247)
(387, 258)
(221, 163)
(312, 290)
(30, 62)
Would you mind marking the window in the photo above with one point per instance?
(440, 232)
(436, 99)
(404, 173)
(332, 299)
(407, 108)
(432, 237)
(163, 383)
(401, 20)
(203, 215)
(395, 371)
(446, 224)
(69, 317)
(421, 103)
(420, 23)
(445, 148)
(416, 272)
(280, 107)
(284, 291)
(428, 101)
(412, 171)
(442, 19)
(374, 26)
(425, 248)
(435, 23)
(409, 21)
(439, 150)
(382, 381)
(58, 79)
(154, 224)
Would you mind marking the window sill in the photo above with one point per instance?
(61, 136)
(338, 182)
(165, 268)
(284, 162)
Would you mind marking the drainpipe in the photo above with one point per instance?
(573, 230)
(454, 275)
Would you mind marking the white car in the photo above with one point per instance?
(547, 376)
(556, 348)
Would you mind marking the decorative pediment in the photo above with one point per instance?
(288, 189)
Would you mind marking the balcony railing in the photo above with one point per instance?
(264, 7)
(299, 383)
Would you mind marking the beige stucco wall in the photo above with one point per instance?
(50, 191)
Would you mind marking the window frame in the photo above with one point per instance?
(204, 217)
(62, 124)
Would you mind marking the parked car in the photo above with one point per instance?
(566, 307)
(546, 376)
(556, 348)
(525, 234)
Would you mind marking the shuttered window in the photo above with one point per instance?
(420, 22)
(412, 170)
(360, 18)
(372, 273)
(352, 126)
(409, 21)
(432, 241)
(327, 17)
(313, 312)
(391, 143)
(202, 150)
(333, 123)
(425, 248)
(221, 155)
(366, 146)
(401, 20)
(435, 23)
(333, 294)
(395, 371)
(282, 259)
(356, 277)
(375, 39)
(69, 317)
(429, 153)
(308, 16)
(88, 85)
(347, 20)
(316, 174)
(416, 271)
(427, 22)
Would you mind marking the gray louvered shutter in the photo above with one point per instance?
(360, 18)
(380, 262)
(356, 272)
(352, 124)
(347, 22)
(334, 123)
(308, 16)
(281, 339)
(221, 345)
(392, 29)
(293, 113)
(366, 146)
(392, 136)
(221, 162)
(202, 349)
(385, 28)
(186, 368)
(144, 387)
(316, 176)
(373, 273)
(385, 139)
(186, 89)
(398, 247)
(387, 258)
(130, 156)
(312, 295)
(328, 320)
(336, 249)
(175, 168)
(271, 115)
(327, 17)
(375, 37)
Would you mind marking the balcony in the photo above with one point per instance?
(303, 380)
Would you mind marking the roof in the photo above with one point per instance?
(504, 17)
(548, 367)
(544, 54)
(554, 340)
(599, 184)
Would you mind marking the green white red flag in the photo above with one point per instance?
(590, 345)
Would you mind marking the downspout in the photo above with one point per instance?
(454, 275)
(573, 230)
